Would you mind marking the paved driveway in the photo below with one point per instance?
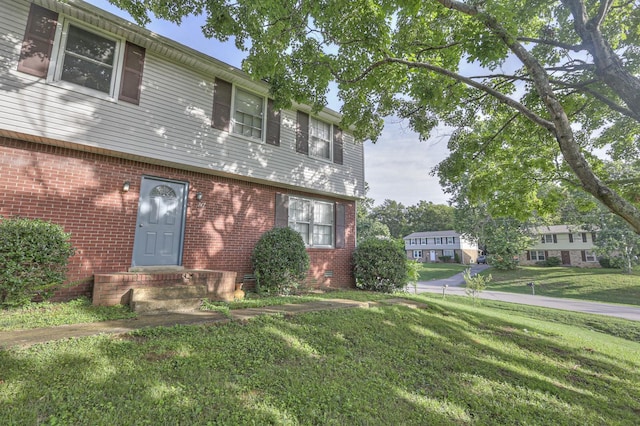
(455, 286)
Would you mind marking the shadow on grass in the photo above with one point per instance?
(384, 365)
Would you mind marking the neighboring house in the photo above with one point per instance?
(431, 246)
(573, 246)
(151, 154)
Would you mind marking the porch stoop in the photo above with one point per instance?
(155, 300)
(117, 288)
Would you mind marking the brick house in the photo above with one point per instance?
(431, 246)
(152, 154)
(572, 245)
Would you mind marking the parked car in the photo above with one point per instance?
(481, 259)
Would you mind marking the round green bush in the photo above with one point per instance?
(380, 265)
(33, 259)
(280, 261)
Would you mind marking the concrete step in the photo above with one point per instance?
(167, 299)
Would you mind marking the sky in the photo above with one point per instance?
(397, 166)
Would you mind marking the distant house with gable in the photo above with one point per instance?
(437, 246)
(573, 245)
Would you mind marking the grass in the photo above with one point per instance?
(451, 363)
(602, 285)
(47, 314)
(437, 271)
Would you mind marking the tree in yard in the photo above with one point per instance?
(426, 216)
(532, 87)
(368, 226)
(393, 215)
(616, 241)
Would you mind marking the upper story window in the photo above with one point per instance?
(248, 113)
(423, 241)
(450, 240)
(313, 219)
(318, 138)
(320, 142)
(438, 241)
(549, 238)
(251, 116)
(81, 58)
(87, 59)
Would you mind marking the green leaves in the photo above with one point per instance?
(33, 259)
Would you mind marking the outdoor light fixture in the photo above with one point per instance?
(199, 196)
(125, 186)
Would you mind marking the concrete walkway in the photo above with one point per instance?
(25, 338)
(455, 286)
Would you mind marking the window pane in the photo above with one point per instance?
(303, 229)
(322, 235)
(88, 60)
(323, 213)
(248, 114)
(320, 138)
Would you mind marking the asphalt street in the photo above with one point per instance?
(455, 286)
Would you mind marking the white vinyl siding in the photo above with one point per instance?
(170, 126)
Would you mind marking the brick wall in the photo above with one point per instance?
(83, 192)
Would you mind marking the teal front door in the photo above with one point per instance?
(159, 232)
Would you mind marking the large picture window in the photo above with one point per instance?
(313, 219)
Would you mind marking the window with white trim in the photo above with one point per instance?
(547, 238)
(450, 240)
(313, 219)
(437, 241)
(423, 241)
(447, 253)
(590, 256)
(87, 60)
(536, 255)
(248, 114)
(417, 254)
(320, 138)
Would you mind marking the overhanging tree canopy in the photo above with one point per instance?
(551, 81)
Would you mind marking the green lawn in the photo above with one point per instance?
(451, 363)
(602, 285)
(436, 271)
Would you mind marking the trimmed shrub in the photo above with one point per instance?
(552, 261)
(380, 265)
(445, 259)
(33, 259)
(280, 261)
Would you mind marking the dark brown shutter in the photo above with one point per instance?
(132, 73)
(584, 237)
(546, 254)
(221, 115)
(282, 211)
(570, 238)
(35, 54)
(555, 238)
(302, 133)
(340, 225)
(584, 255)
(273, 124)
(593, 237)
(337, 145)
(528, 255)
(542, 239)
